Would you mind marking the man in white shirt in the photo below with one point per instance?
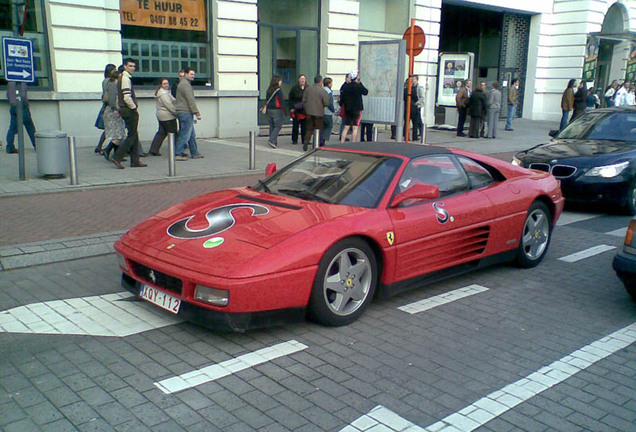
(624, 96)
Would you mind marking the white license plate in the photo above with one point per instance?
(160, 298)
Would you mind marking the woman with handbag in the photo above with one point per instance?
(166, 116)
(296, 109)
(275, 110)
(114, 127)
(99, 123)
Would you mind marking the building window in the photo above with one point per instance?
(384, 16)
(165, 37)
(34, 28)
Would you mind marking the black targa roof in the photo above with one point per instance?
(410, 151)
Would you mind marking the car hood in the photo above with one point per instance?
(563, 149)
(228, 228)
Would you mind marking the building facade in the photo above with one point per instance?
(237, 45)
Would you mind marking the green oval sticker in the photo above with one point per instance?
(213, 242)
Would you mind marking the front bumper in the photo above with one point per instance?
(624, 265)
(593, 189)
(216, 320)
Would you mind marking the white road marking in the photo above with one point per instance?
(104, 315)
(492, 406)
(618, 233)
(568, 217)
(578, 256)
(228, 367)
(438, 300)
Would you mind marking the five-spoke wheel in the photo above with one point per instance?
(535, 237)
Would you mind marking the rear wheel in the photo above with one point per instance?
(535, 237)
(345, 283)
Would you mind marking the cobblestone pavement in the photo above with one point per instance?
(390, 370)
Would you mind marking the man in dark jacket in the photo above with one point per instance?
(315, 99)
(351, 99)
(477, 109)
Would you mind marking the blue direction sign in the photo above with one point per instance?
(18, 59)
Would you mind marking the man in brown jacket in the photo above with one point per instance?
(461, 101)
(315, 99)
(513, 93)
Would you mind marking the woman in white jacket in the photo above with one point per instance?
(166, 115)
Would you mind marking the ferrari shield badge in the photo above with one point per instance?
(390, 237)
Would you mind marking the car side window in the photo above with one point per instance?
(477, 174)
(435, 170)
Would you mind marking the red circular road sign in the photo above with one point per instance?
(419, 40)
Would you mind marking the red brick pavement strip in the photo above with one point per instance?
(33, 218)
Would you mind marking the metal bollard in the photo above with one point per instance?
(252, 149)
(72, 159)
(316, 143)
(172, 169)
(375, 134)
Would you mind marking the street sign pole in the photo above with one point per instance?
(415, 41)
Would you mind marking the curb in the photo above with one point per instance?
(58, 250)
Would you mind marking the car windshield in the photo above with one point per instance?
(334, 177)
(610, 126)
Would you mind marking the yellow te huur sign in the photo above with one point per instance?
(168, 14)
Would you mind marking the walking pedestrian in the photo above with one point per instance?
(166, 116)
(275, 109)
(351, 98)
(579, 101)
(128, 109)
(327, 119)
(341, 113)
(494, 108)
(477, 109)
(461, 102)
(297, 110)
(610, 92)
(513, 98)
(13, 93)
(315, 100)
(114, 127)
(567, 103)
(186, 107)
(99, 123)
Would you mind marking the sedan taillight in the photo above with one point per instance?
(629, 237)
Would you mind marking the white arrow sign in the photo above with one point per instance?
(23, 74)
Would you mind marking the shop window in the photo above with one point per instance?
(165, 37)
(384, 16)
(34, 28)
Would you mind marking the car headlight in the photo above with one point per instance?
(122, 262)
(608, 171)
(213, 296)
(516, 161)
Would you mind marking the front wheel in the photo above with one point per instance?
(630, 199)
(345, 283)
(535, 237)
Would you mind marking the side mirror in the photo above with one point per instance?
(420, 192)
(553, 132)
(270, 169)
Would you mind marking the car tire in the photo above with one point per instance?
(535, 236)
(630, 199)
(344, 284)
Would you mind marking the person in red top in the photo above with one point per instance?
(275, 110)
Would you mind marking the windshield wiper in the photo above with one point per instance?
(265, 187)
(303, 195)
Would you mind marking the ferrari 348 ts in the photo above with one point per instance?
(336, 227)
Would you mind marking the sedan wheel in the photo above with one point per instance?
(345, 283)
(535, 237)
(630, 202)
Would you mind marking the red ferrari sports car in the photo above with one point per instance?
(336, 227)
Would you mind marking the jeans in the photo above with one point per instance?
(327, 126)
(131, 143)
(564, 119)
(275, 119)
(187, 136)
(13, 126)
(512, 110)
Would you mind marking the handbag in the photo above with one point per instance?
(299, 108)
(99, 121)
(263, 109)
